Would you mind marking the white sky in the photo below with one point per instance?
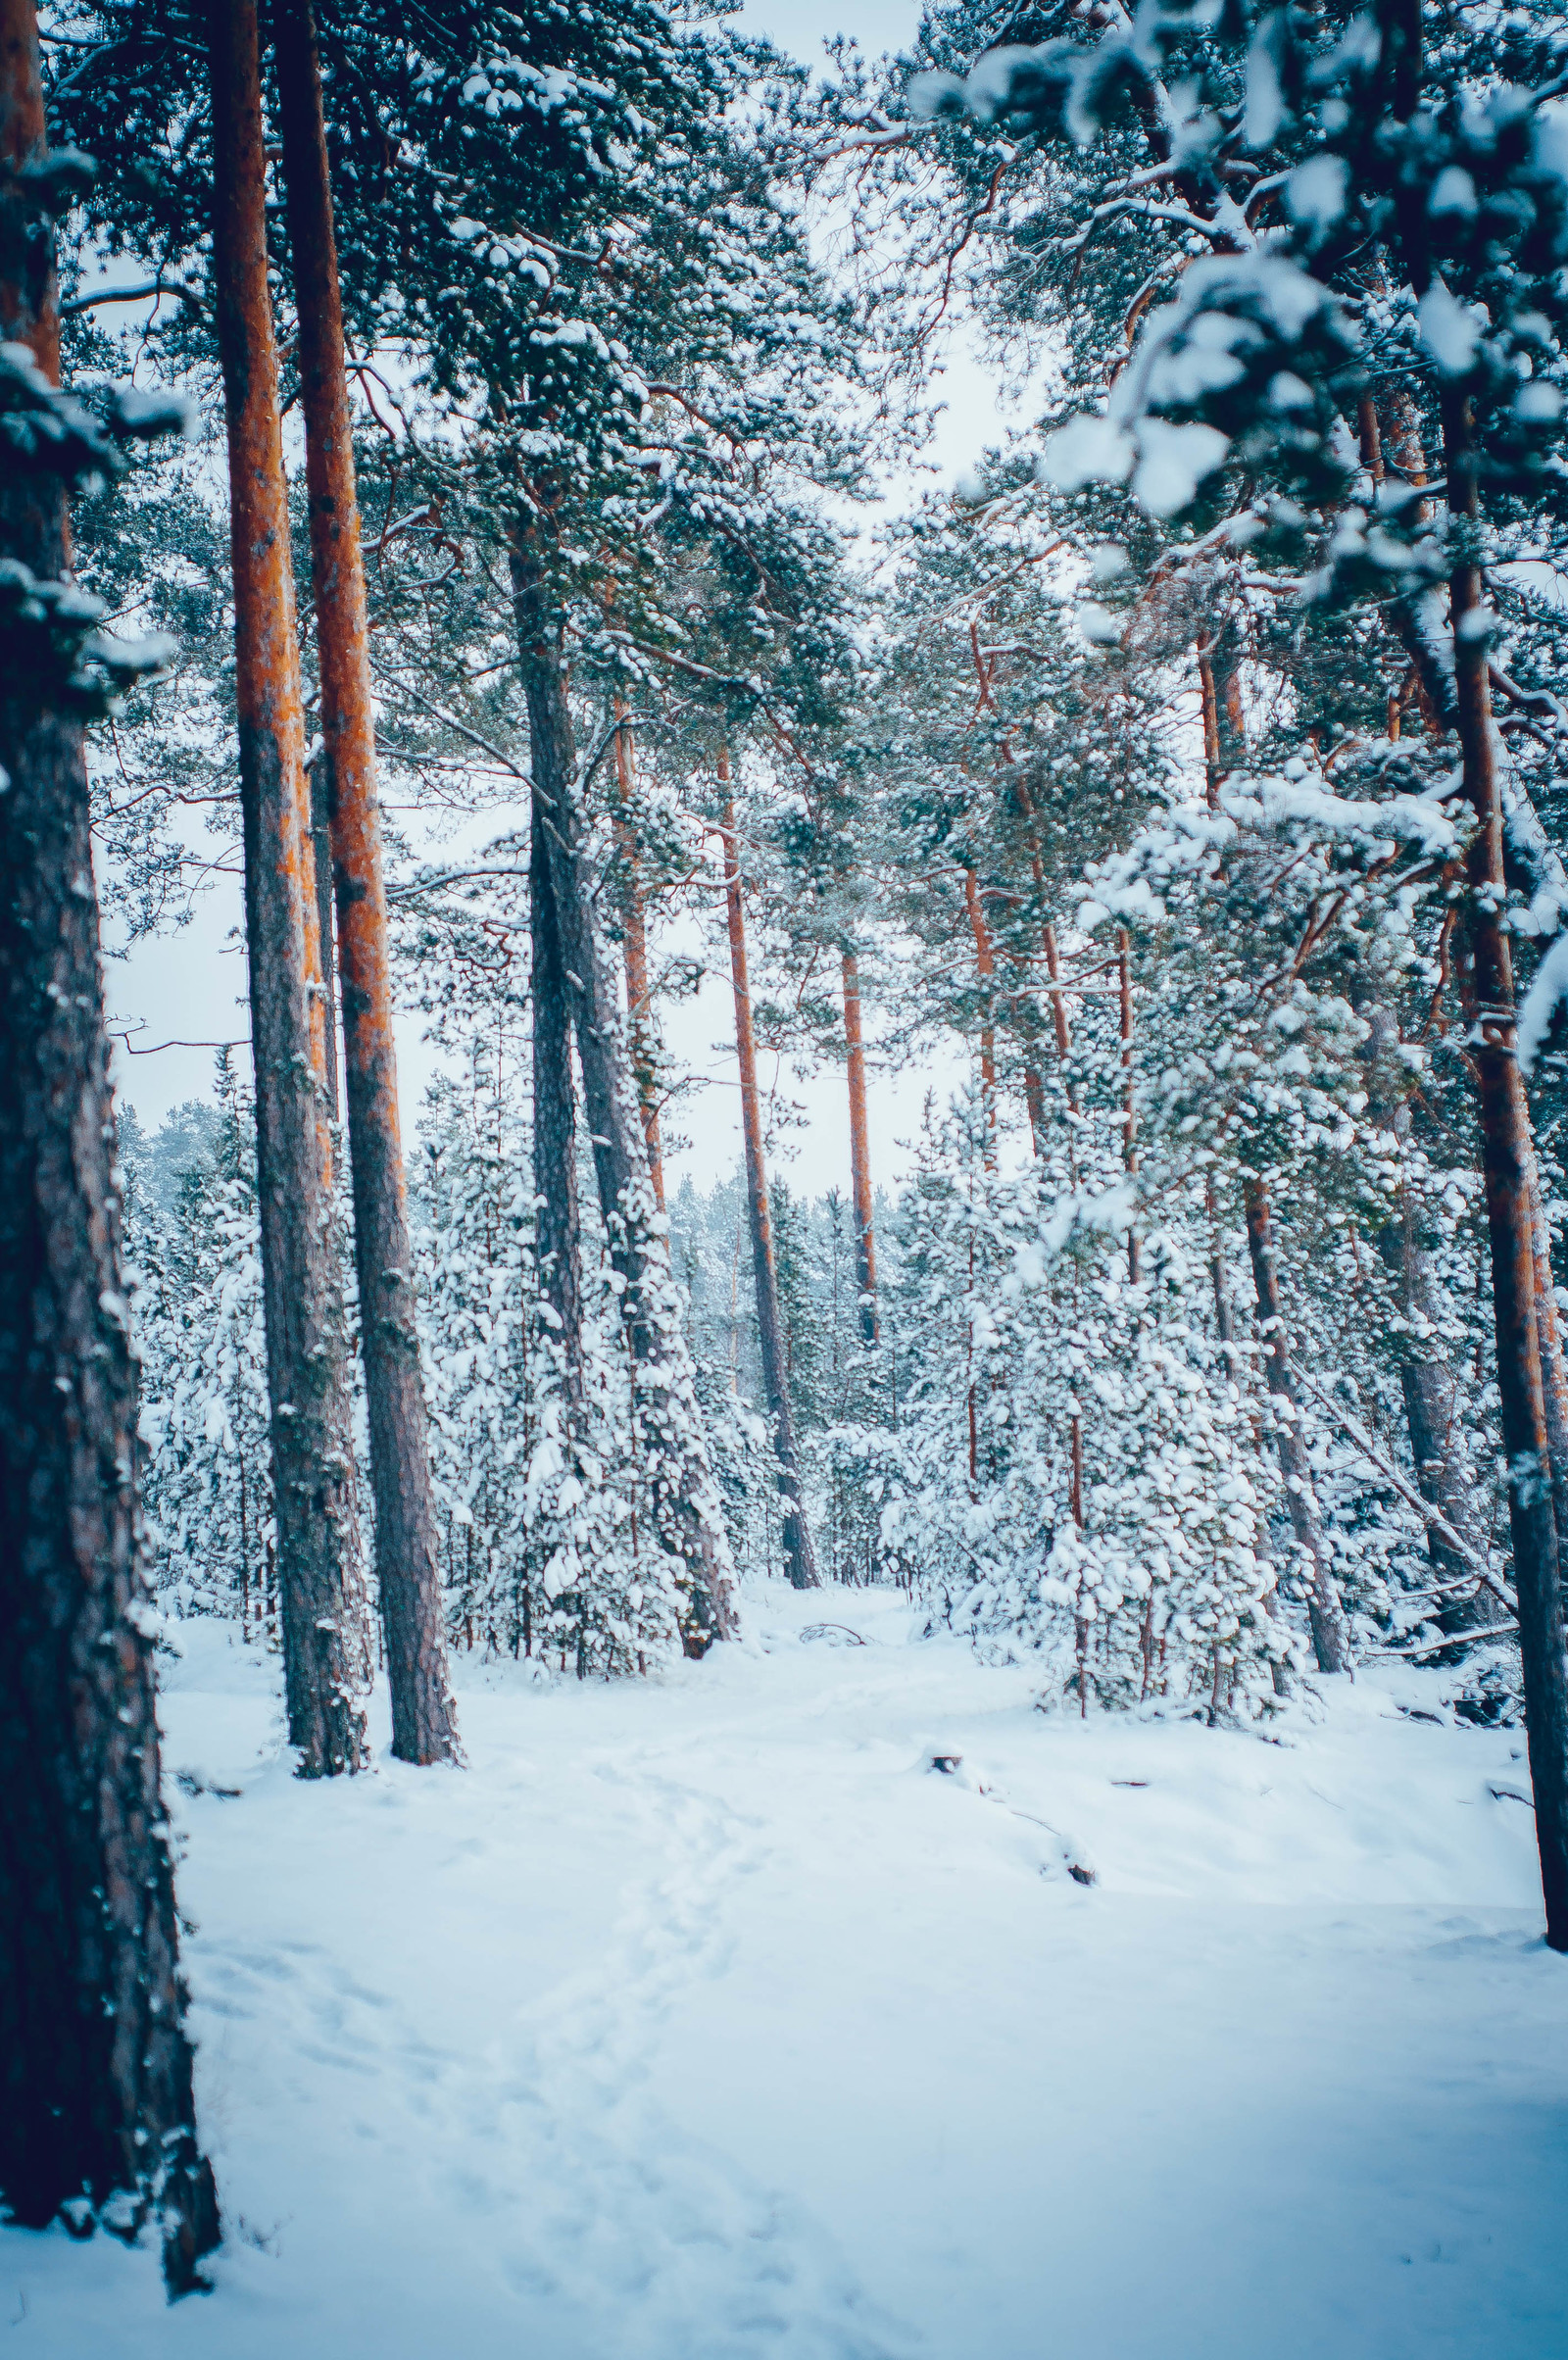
(802, 26)
(190, 986)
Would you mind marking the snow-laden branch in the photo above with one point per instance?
(1541, 1003)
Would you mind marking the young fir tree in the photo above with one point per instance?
(201, 1323)
(551, 1547)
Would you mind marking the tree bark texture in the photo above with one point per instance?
(556, 1230)
(1330, 1639)
(685, 1504)
(95, 2067)
(860, 1152)
(799, 1557)
(423, 1717)
(324, 1651)
(1509, 1164)
(1433, 1402)
(1528, 857)
(1224, 1324)
(321, 854)
(1554, 1373)
(1213, 767)
(639, 996)
(1433, 1411)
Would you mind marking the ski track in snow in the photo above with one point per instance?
(700, 2021)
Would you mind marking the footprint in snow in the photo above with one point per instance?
(666, 2243)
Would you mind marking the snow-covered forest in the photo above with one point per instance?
(624, 1730)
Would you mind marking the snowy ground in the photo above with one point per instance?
(698, 2019)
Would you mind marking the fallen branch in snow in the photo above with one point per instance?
(1074, 1857)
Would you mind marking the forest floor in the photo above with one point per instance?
(703, 2019)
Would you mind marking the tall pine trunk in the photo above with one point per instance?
(685, 1504)
(1509, 1164)
(95, 2067)
(639, 995)
(860, 1152)
(799, 1557)
(1433, 1401)
(1553, 1374)
(423, 1718)
(1398, 429)
(1214, 765)
(321, 855)
(324, 1651)
(1330, 1639)
(1433, 1411)
(554, 1140)
(1224, 739)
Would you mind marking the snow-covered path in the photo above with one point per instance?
(700, 2019)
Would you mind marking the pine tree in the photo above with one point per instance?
(205, 1410)
(325, 1654)
(97, 2119)
(423, 1718)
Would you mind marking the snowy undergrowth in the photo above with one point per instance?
(698, 2018)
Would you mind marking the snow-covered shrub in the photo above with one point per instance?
(1079, 1482)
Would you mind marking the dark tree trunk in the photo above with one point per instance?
(1432, 1404)
(1508, 1162)
(799, 1557)
(1224, 1322)
(1225, 1332)
(1527, 856)
(1330, 1639)
(95, 2067)
(1553, 1374)
(859, 1153)
(1213, 763)
(1059, 1014)
(554, 1150)
(1219, 682)
(1507, 1144)
(423, 1719)
(324, 1651)
(1433, 1411)
(322, 853)
(639, 996)
(684, 1503)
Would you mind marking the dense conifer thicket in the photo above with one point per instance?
(1190, 782)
